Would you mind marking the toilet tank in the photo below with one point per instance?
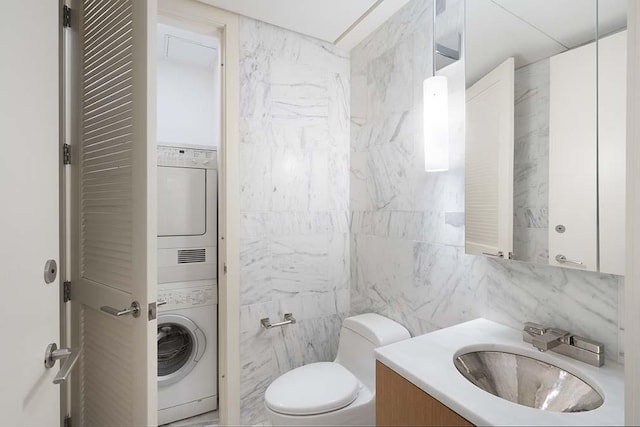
(359, 336)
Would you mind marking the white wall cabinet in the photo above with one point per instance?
(489, 163)
(587, 161)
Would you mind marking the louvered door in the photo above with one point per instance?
(489, 163)
(114, 221)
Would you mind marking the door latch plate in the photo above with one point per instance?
(153, 311)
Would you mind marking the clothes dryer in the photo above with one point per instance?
(187, 213)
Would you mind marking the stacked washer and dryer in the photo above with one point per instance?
(187, 282)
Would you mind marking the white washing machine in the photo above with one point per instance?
(187, 349)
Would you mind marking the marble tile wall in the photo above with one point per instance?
(407, 228)
(531, 163)
(294, 170)
(339, 217)
(585, 303)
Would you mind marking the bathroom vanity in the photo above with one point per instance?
(400, 403)
(420, 381)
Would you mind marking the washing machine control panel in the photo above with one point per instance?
(177, 299)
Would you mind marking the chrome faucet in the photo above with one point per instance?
(563, 342)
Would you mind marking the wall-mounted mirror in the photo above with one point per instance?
(545, 131)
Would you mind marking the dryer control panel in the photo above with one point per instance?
(186, 157)
(177, 299)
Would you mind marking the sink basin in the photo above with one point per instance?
(528, 381)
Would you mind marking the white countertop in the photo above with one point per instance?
(427, 362)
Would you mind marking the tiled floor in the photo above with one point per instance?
(210, 419)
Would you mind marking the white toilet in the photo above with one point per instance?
(340, 393)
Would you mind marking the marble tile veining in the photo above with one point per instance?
(531, 163)
(584, 303)
(339, 217)
(407, 226)
(294, 198)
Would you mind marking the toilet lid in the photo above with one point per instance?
(312, 389)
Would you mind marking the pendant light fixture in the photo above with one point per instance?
(435, 92)
(436, 124)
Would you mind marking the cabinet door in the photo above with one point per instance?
(400, 403)
(612, 125)
(573, 169)
(489, 163)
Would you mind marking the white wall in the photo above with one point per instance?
(188, 97)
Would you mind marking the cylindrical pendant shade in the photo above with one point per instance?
(436, 124)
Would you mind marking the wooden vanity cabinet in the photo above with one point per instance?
(400, 403)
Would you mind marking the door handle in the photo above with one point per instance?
(70, 356)
(563, 259)
(498, 254)
(134, 310)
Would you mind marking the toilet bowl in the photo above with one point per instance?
(340, 392)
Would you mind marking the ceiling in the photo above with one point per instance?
(344, 22)
(531, 30)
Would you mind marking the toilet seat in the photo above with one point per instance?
(312, 389)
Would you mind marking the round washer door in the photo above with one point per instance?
(180, 346)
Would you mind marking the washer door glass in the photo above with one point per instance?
(177, 348)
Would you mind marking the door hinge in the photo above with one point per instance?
(66, 291)
(66, 154)
(225, 268)
(66, 16)
(67, 420)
